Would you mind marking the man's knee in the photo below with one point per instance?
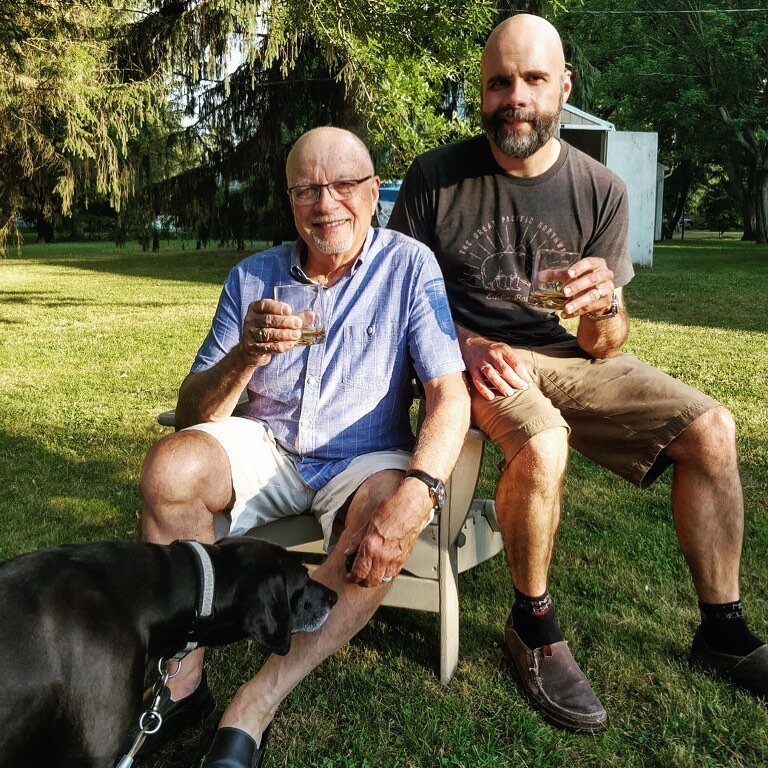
(710, 437)
(378, 487)
(545, 455)
(182, 467)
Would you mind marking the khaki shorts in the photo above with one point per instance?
(267, 485)
(621, 413)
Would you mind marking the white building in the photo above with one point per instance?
(631, 155)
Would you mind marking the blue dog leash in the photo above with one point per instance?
(151, 719)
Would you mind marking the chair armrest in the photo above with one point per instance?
(168, 418)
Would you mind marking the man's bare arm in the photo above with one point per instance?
(211, 395)
(604, 337)
(385, 544)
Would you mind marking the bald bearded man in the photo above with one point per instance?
(484, 205)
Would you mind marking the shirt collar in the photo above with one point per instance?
(295, 265)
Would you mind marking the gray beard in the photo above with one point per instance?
(521, 146)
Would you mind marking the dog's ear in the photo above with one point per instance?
(267, 616)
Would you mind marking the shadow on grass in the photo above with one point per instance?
(204, 266)
(49, 300)
(90, 502)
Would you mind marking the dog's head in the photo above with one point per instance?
(276, 596)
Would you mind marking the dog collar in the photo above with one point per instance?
(206, 581)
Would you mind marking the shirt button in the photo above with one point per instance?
(311, 380)
(369, 330)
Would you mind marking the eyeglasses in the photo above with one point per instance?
(308, 194)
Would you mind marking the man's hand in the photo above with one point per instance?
(493, 366)
(269, 328)
(380, 549)
(590, 287)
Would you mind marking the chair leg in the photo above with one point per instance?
(449, 608)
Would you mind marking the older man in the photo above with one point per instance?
(484, 206)
(326, 427)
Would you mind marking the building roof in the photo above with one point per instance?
(573, 117)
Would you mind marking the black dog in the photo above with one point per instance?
(79, 624)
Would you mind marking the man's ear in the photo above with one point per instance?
(267, 615)
(567, 85)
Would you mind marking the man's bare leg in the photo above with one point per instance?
(528, 498)
(184, 481)
(255, 704)
(707, 504)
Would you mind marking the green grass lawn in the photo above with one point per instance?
(94, 343)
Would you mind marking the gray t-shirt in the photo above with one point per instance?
(485, 225)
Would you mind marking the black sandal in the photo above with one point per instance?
(233, 748)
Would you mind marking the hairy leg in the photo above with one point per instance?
(184, 481)
(707, 504)
(528, 498)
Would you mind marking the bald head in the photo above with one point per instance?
(524, 84)
(337, 152)
(527, 35)
(338, 196)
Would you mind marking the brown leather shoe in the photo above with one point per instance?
(553, 680)
(749, 672)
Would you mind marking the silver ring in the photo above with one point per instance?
(485, 367)
(599, 292)
(386, 579)
(258, 335)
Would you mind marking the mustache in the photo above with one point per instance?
(518, 114)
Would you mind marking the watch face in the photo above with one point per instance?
(439, 494)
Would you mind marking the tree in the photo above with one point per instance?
(66, 111)
(695, 72)
(717, 205)
(394, 61)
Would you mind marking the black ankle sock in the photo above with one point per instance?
(725, 630)
(535, 620)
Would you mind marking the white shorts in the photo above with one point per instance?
(267, 486)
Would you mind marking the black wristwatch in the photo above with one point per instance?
(435, 485)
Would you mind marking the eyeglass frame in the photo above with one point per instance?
(319, 187)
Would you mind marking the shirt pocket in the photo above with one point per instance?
(370, 356)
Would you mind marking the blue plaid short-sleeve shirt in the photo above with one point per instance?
(387, 320)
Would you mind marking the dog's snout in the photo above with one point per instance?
(330, 596)
(312, 610)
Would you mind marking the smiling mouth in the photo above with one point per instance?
(329, 224)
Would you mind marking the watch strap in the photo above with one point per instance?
(612, 311)
(431, 482)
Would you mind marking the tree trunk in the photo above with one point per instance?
(45, 230)
(76, 232)
(744, 196)
(682, 198)
(761, 205)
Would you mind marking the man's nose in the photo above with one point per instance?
(325, 199)
(518, 94)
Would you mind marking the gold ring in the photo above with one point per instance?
(599, 292)
(258, 335)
